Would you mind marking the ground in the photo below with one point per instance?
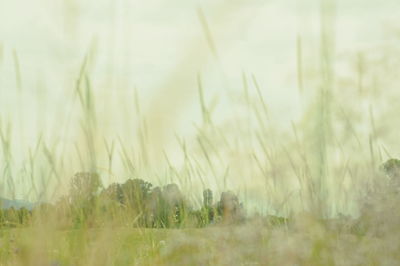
(304, 243)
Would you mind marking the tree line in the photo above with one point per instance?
(135, 202)
(138, 203)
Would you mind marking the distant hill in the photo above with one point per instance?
(16, 204)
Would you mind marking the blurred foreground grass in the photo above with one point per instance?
(305, 242)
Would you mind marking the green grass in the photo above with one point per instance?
(305, 242)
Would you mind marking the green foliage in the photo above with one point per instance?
(392, 168)
(83, 194)
(134, 193)
(135, 202)
(207, 213)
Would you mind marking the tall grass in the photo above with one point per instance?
(311, 172)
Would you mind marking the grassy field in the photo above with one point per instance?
(304, 243)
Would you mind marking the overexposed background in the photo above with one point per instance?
(158, 49)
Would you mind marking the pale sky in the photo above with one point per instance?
(147, 43)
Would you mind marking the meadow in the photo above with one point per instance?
(211, 140)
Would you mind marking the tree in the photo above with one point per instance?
(84, 186)
(11, 217)
(229, 208)
(154, 211)
(392, 168)
(23, 216)
(83, 193)
(207, 212)
(135, 193)
(207, 198)
(173, 207)
(114, 192)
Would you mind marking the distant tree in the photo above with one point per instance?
(114, 192)
(135, 193)
(207, 212)
(229, 208)
(392, 168)
(23, 216)
(11, 217)
(154, 210)
(2, 217)
(111, 201)
(83, 193)
(173, 206)
(84, 186)
(207, 198)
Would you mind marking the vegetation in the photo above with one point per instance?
(219, 169)
(87, 206)
(135, 216)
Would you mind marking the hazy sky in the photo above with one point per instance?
(152, 44)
